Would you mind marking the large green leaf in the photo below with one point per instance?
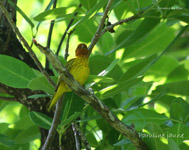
(98, 79)
(15, 73)
(181, 87)
(156, 41)
(41, 83)
(105, 65)
(118, 88)
(87, 28)
(173, 145)
(138, 69)
(41, 120)
(178, 74)
(147, 25)
(88, 4)
(153, 137)
(25, 136)
(73, 107)
(162, 67)
(6, 141)
(178, 132)
(179, 110)
(53, 14)
(141, 117)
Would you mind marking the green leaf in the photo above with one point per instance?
(47, 8)
(172, 145)
(41, 83)
(163, 67)
(15, 73)
(122, 142)
(18, 125)
(69, 120)
(54, 14)
(155, 42)
(106, 43)
(153, 137)
(109, 68)
(138, 69)
(90, 13)
(93, 79)
(76, 103)
(143, 29)
(179, 110)
(6, 141)
(27, 135)
(41, 120)
(38, 96)
(73, 107)
(141, 117)
(87, 28)
(105, 66)
(117, 88)
(178, 74)
(181, 87)
(88, 4)
(178, 133)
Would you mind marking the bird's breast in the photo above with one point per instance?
(80, 70)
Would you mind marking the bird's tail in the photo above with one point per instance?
(59, 92)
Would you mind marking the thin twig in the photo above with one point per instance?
(76, 137)
(50, 35)
(119, 23)
(64, 35)
(32, 54)
(90, 98)
(67, 45)
(97, 34)
(82, 136)
(8, 98)
(56, 121)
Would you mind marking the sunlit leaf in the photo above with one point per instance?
(141, 117)
(54, 14)
(14, 72)
(117, 88)
(41, 83)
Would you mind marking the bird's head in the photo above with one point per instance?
(82, 50)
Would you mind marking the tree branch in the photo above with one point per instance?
(56, 120)
(76, 137)
(67, 45)
(32, 54)
(120, 22)
(82, 136)
(90, 98)
(97, 34)
(8, 98)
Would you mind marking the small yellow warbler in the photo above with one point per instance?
(79, 69)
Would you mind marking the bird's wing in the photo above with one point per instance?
(70, 63)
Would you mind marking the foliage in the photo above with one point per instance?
(141, 72)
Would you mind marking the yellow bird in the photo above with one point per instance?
(79, 69)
